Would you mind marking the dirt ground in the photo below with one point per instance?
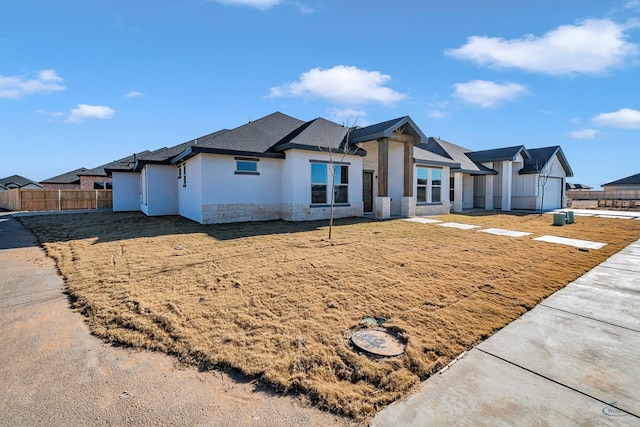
(278, 301)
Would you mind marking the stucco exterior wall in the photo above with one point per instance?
(231, 197)
(127, 196)
(190, 190)
(296, 185)
(161, 190)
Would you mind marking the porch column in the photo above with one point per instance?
(458, 191)
(488, 192)
(383, 167)
(408, 169)
(507, 168)
(383, 201)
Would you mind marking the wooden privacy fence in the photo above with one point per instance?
(55, 200)
(604, 195)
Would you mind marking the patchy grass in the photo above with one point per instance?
(278, 301)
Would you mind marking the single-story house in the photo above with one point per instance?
(577, 187)
(66, 181)
(17, 181)
(623, 188)
(279, 167)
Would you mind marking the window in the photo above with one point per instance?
(429, 185)
(341, 184)
(422, 185)
(184, 174)
(436, 185)
(180, 171)
(246, 166)
(102, 185)
(319, 183)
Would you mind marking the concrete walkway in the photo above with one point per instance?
(572, 360)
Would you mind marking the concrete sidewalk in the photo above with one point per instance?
(572, 360)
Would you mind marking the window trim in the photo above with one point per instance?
(429, 186)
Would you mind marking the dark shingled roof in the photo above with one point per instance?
(318, 134)
(385, 130)
(460, 155)
(70, 177)
(254, 137)
(125, 163)
(17, 180)
(539, 157)
(422, 155)
(497, 154)
(571, 186)
(630, 180)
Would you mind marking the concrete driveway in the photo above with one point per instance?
(54, 373)
(572, 360)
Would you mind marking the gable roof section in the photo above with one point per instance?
(70, 177)
(422, 155)
(629, 180)
(497, 154)
(17, 181)
(385, 130)
(319, 135)
(459, 155)
(254, 138)
(539, 157)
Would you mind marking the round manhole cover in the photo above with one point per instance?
(379, 342)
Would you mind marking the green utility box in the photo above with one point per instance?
(559, 218)
(570, 218)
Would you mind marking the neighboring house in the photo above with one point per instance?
(3, 188)
(279, 167)
(577, 187)
(66, 181)
(625, 188)
(17, 181)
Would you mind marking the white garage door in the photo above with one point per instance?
(552, 194)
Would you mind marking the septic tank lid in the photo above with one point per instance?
(378, 342)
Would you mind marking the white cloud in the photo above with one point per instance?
(258, 4)
(590, 47)
(348, 116)
(83, 112)
(623, 118)
(342, 84)
(132, 94)
(486, 93)
(436, 114)
(44, 81)
(584, 134)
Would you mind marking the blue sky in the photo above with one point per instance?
(84, 82)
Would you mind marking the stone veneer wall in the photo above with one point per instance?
(244, 212)
(303, 212)
(240, 212)
(433, 209)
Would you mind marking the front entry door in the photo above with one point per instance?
(367, 190)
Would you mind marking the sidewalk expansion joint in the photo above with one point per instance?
(590, 318)
(556, 382)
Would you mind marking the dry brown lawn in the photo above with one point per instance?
(277, 301)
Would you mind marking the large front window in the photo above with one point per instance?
(429, 185)
(321, 175)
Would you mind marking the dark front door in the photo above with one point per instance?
(367, 190)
